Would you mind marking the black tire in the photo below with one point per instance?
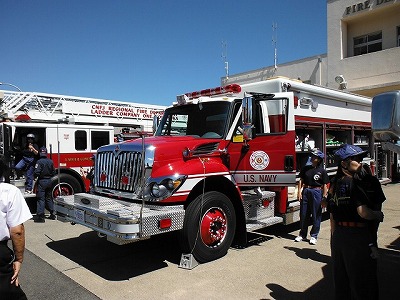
(209, 227)
(69, 185)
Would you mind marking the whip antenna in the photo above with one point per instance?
(274, 42)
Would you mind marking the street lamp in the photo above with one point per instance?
(12, 85)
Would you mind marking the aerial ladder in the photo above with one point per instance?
(43, 107)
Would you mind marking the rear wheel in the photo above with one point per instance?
(68, 186)
(209, 227)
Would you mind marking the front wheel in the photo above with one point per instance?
(68, 186)
(209, 227)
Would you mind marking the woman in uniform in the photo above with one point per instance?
(352, 236)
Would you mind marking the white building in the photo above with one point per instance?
(363, 53)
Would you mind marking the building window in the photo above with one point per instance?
(368, 43)
(398, 36)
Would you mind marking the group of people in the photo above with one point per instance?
(354, 200)
(36, 164)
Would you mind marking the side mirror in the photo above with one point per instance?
(247, 117)
(385, 116)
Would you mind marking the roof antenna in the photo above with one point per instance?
(224, 58)
(274, 42)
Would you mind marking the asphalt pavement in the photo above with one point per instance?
(40, 280)
(71, 262)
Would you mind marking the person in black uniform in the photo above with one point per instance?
(27, 163)
(44, 170)
(312, 191)
(353, 226)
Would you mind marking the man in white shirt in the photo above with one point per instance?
(13, 213)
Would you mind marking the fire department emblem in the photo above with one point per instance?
(259, 160)
(317, 177)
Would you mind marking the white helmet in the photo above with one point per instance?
(30, 136)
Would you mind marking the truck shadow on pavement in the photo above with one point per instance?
(106, 259)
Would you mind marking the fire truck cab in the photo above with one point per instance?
(222, 162)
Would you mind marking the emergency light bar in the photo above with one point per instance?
(231, 88)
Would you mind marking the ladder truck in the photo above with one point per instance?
(223, 162)
(72, 128)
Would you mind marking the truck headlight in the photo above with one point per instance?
(161, 188)
(158, 190)
(170, 184)
(155, 190)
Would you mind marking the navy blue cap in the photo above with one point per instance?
(43, 151)
(318, 153)
(349, 150)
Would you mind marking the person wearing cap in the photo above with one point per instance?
(353, 219)
(44, 171)
(312, 191)
(13, 213)
(27, 163)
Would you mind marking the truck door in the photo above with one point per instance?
(268, 158)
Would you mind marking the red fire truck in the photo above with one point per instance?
(72, 128)
(222, 162)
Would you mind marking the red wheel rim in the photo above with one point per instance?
(213, 227)
(66, 190)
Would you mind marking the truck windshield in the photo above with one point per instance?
(207, 120)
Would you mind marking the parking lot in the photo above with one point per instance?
(273, 266)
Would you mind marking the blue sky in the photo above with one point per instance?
(149, 51)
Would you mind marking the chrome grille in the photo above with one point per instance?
(118, 171)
